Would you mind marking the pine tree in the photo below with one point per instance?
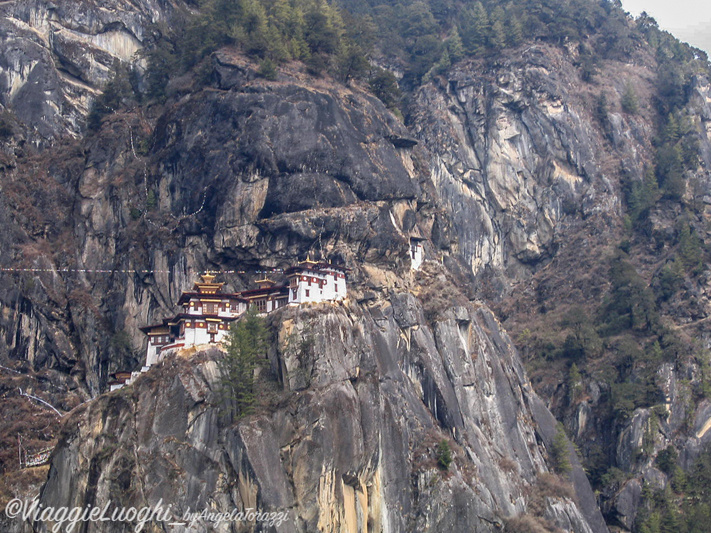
(670, 170)
(560, 458)
(267, 70)
(117, 90)
(383, 84)
(497, 37)
(575, 383)
(497, 34)
(351, 64)
(690, 249)
(455, 46)
(438, 68)
(671, 521)
(246, 344)
(444, 454)
(151, 200)
(474, 28)
(629, 102)
(514, 30)
(671, 132)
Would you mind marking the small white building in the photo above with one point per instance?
(416, 253)
(313, 281)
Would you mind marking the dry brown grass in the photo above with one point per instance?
(548, 485)
(38, 426)
(437, 291)
(529, 524)
(22, 484)
(507, 464)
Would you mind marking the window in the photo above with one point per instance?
(212, 327)
(307, 292)
(211, 308)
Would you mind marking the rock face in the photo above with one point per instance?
(246, 176)
(56, 57)
(517, 151)
(533, 181)
(505, 172)
(348, 441)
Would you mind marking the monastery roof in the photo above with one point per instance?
(315, 266)
(207, 289)
(162, 324)
(276, 289)
(203, 316)
(187, 296)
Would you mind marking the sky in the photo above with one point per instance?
(688, 20)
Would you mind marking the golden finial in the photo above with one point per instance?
(207, 277)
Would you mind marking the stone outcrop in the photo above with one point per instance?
(517, 153)
(505, 173)
(56, 57)
(344, 439)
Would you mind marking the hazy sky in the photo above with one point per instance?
(688, 20)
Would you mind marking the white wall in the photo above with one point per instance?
(416, 254)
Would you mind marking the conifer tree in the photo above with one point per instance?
(629, 102)
(560, 459)
(455, 46)
(497, 34)
(514, 30)
(246, 344)
(689, 249)
(475, 25)
(575, 383)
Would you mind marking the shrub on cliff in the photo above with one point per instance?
(444, 454)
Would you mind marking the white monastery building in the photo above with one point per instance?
(207, 312)
(312, 281)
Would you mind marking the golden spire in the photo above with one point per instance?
(207, 286)
(264, 282)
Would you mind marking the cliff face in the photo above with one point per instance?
(249, 174)
(348, 443)
(519, 158)
(536, 183)
(57, 57)
(240, 176)
(515, 185)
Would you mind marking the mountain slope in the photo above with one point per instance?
(530, 185)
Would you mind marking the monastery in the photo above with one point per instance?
(207, 312)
